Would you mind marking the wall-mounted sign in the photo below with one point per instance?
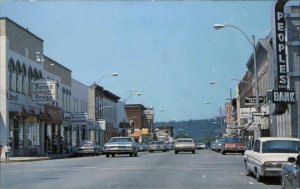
(279, 46)
(78, 118)
(246, 113)
(251, 100)
(283, 96)
(44, 90)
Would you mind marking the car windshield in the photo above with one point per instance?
(280, 146)
(157, 142)
(120, 140)
(233, 140)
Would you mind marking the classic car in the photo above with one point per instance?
(200, 146)
(121, 145)
(157, 146)
(268, 155)
(184, 145)
(290, 174)
(233, 144)
(219, 144)
(87, 147)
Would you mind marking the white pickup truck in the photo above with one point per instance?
(269, 154)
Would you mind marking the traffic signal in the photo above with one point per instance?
(132, 126)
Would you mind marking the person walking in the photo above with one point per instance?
(7, 152)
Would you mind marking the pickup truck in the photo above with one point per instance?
(268, 155)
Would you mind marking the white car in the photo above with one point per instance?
(269, 154)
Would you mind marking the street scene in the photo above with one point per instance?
(204, 169)
(150, 94)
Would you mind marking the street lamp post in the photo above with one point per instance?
(252, 43)
(130, 96)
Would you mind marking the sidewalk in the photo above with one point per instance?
(37, 158)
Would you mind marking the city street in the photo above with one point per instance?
(205, 169)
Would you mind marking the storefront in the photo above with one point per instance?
(54, 130)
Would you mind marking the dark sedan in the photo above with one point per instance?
(290, 174)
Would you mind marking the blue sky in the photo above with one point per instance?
(166, 50)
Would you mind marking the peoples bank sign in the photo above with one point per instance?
(281, 96)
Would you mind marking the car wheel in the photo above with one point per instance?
(248, 173)
(164, 151)
(257, 176)
(223, 152)
(113, 155)
(131, 154)
(107, 155)
(193, 151)
(176, 152)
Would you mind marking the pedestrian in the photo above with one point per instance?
(7, 152)
(1, 148)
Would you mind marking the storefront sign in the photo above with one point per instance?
(55, 114)
(246, 113)
(145, 131)
(44, 90)
(281, 97)
(31, 120)
(136, 133)
(78, 118)
(228, 119)
(251, 100)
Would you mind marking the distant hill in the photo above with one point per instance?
(204, 130)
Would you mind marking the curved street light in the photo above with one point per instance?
(252, 43)
(114, 74)
(130, 96)
(244, 82)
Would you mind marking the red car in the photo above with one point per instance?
(233, 144)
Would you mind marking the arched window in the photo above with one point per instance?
(24, 73)
(30, 75)
(35, 74)
(40, 75)
(18, 74)
(11, 70)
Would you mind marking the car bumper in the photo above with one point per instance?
(115, 151)
(184, 149)
(271, 171)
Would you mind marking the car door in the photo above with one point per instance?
(253, 156)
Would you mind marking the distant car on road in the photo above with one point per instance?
(233, 144)
(269, 154)
(88, 147)
(184, 145)
(121, 145)
(290, 174)
(200, 146)
(219, 144)
(157, 146)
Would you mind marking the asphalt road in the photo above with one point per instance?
(158, 170)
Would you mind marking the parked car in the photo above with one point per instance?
(121, 145)
(290, 174)
(200, 146)
(157, 146)
(184, 145)
(219, 144)
(233, 144)
(87, 147)
(170, 145)
(269, 154)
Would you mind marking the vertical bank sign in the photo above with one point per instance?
(281, 97)
(44, 90)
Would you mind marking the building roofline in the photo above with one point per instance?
(57, 63)
(21, 27)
